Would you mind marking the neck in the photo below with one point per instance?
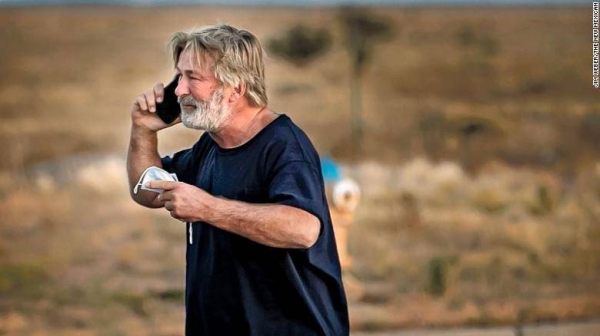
(243, 126)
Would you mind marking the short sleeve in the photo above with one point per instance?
(179, 164)
(297, 184)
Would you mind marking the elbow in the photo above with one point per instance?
(311, 233)
(148, 202)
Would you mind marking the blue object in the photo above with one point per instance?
(331, 170)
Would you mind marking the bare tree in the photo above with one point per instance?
(362, 31)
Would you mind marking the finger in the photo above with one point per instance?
(164, 185)
(170, 206)
(150, 101)
(176, 216)
(165, 196)
(141, 102)
(159, 92)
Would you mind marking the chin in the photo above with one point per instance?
(192, 125)
(205, 120)
(198, 126)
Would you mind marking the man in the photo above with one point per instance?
(261, 254)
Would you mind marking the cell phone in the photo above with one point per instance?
(169, 109)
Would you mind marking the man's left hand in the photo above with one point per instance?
(185, 202)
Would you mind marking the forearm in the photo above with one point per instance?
(142, 154)
(269, 224)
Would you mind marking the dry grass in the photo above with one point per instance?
(506, 251)
(508, 215)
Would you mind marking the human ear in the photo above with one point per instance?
(237, 92)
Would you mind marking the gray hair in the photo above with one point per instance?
(236, 56)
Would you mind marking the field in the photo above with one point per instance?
(479, 165)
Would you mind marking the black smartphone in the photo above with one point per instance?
(169, 109)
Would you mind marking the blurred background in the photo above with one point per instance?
(471, 127)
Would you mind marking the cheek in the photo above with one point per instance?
(198, 91)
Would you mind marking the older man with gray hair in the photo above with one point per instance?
(261, 254)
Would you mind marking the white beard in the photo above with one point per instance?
(208, 115)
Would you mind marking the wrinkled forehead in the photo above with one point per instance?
(193, 58)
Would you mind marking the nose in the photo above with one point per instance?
(182, 88)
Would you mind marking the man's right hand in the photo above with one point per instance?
(143, 111)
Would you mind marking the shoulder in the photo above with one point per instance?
(288, 140)
(289, 150)
(285, 134)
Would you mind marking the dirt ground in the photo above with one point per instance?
(478, 167)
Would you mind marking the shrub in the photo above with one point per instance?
(438, 276)
(301, 44)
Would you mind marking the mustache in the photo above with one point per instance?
(187, 100)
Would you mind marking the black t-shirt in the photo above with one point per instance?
(235, 286)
